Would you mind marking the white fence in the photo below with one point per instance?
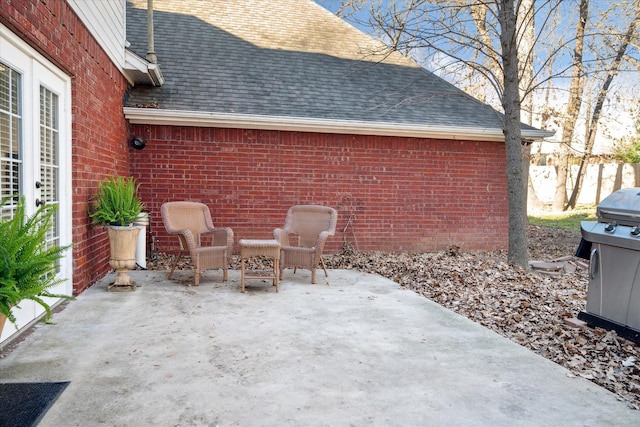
(600, 181)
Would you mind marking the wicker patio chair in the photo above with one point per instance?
(303, 236)
(190, 221)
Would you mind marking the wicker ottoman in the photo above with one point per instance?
(267, 248)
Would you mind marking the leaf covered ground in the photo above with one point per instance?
(530, 307)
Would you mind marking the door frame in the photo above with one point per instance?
(37, 71)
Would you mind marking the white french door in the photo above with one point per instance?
(35, 149)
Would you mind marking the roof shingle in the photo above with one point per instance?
(288, 58)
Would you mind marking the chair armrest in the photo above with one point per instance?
(282, 236)
(187, 239)
(322, 238)
(222, 236)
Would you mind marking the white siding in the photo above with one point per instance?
(106, 21)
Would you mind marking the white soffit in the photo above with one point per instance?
(151, 116)
(140, 71)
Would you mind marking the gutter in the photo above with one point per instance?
(151, 116)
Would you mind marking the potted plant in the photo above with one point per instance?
(116, 206)
(28, 263)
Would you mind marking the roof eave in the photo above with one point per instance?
(153, 116)
(140, 71)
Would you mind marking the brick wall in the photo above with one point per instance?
(392, 194)
(398, 194)
(99, 131)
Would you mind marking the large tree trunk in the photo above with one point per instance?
(517, 201)
(576, 89)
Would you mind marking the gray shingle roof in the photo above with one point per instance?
(288, 58)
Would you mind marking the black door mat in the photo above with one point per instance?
(24, 404)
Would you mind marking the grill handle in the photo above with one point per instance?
(605, 212)
(594, 263)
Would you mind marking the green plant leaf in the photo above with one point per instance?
(116, 202)
(28, 264)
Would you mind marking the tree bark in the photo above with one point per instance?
(518, 248)
(597, 110)
(526, 18)
(576, 89)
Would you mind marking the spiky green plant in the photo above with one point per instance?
(28, 264)
(116, 202)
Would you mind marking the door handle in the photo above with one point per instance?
(40, 203)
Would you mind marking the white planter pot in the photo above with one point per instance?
(122, 241)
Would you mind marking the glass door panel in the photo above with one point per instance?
(49, 140)
(10, 137)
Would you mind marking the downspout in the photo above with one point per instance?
(151, 54)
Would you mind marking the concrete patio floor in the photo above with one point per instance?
(353, 350)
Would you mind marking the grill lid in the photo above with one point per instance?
(621, 207)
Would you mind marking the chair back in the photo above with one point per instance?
(191, 216)
(308, 221)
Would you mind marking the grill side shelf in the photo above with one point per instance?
(594, 232)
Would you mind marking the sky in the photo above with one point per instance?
(620, 122)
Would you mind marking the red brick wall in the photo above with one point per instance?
(402, 194)
(99, 131)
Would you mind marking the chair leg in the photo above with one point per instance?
(225, 274)
(324, 267)
(276, 273)
(196, 277)
(242, 267)
(313, 276)
(175, 264)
